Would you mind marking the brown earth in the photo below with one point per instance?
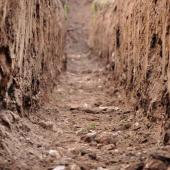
(32, 38)
(133, 37)
(86, 123)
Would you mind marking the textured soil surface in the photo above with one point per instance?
(134, 37)
(32, 41)
(85, 124)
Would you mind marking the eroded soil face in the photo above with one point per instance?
(85, 124)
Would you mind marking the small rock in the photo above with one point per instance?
(108, 147)
(89, 137)
(54, 153)
(136, 126)
(155, 165)
(139, 153)
(106, 138)
(100, 87)
(85, 105)
(60, 167)
(81, 131)
(108, 108)
(65, 160)
(134, 166)
(74, 167)
(116, 150)
(91, 110)
(73, 107)
(47, 125)
(74, 151)
(84, 151)
(117, 133)
(92, 156)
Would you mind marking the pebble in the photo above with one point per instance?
(74, 167)
(116, 150)
(54, 153)
(85, 105)
(117, 133)
(136, 126)
(81, 131)
(107, 138)
(155, 164)
(133, 166)
(108, 108)
(108, 147)
(47, 125)
(92, 156)
(60, 167)
(89, 137)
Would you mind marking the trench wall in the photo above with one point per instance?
(133, 37)
(32, 37)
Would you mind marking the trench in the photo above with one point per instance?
(85, 124)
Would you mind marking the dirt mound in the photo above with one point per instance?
(32, 37)
(133, 37)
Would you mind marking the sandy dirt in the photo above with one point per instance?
(85, 124)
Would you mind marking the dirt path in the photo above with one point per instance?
(85, 125)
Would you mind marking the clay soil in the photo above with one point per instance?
(86, 123)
